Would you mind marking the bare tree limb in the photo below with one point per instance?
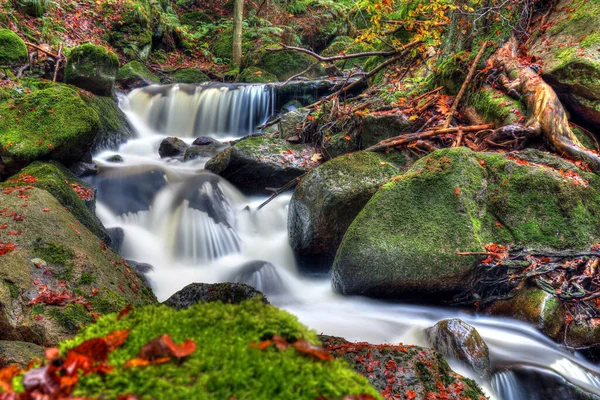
(336, 58)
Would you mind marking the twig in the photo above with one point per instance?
(35, 46)
(411, 137)
(464, 85)
(291, 78)
(459, 136)
(282, 189)
(428, 93)
(58, 60)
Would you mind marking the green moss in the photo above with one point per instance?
(12, 48)
(224, 364)
(38, 309)
(222, 45)
(345, 45)
(136, 71)
(92, 68)
(195, 18)
(86, 279)
(12, 288)
(591, 40)
(53, 122)
(71, 317)
(107, 301)
(59, 257)
(496, 107)
(256, 75)
(58, 180)
(189, 75)
(285, 64)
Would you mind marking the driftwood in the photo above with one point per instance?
(546, 115)
(412, 137)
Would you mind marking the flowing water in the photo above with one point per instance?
(193, 226)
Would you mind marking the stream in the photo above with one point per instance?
(193, 226)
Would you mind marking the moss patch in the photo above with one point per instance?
(224, 364)
(256, 75)
(12, 48)
(92, 68)
(135, 71)
(189, 75)
(497, 108)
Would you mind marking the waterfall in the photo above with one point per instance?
(216, 110)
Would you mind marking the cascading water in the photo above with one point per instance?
(193, 226)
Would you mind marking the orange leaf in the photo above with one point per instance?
(6, 376)
(116, 339)
(306, 347)
(181, 350)
(457, 191)
(125, 311)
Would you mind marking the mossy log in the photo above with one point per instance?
(546, 114)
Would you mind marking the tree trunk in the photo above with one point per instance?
(546, 115)
(238, 16)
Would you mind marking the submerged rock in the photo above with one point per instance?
(230, 293)
(328, 199)
(455, 339)
(259, 162)
(19, 353)
(404, 242)
(92, 68)
(172, 147)
(39, 299)
(399, 371)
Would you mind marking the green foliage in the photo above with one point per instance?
(35, 8)
(12, 48)
(224, 364)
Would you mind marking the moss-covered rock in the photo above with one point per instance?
(285, 64)
(230, 293)
(258, 162)
(570, 59)
(189, 75)
(19, 353)
(12, 48)
(114, 128)
(328, 199)
(376, 128)
(53, 121)
(224, 363)
(195, 18)
(72, 193)
(92, 68)
(256, 75)
(341, 143)
(292, 121)
(404, 241)
(54, 253)
(135, 74)
(222, 45)
(404, 371)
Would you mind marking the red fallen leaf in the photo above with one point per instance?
(457, 191)
(14, 233)
(116, 339)
(125, 311)
(18, 217)
(36, 282)
(306, 347)
(52, 353)
(7, 247)
(128, 396)
(359, 397)
(280, 342)
(140, 362)
(3, 226)
(45, 209)
(6, 376)
(75, 229)
(160, 350)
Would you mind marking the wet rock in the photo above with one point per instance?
(404, 241)
(233, 293)
(19, 353)
(291, 121)
(195, 152)
(134, 74)
(172, 147)
(142, 270)
(306, 92)
(206, 141)
(82, 169)
(73, 262)
(328, 199)
(403, 371)
(115, 159)
(92, 68)
(259, 162)
(114, 128)
(454, 338)
(189, 75)
(379, 127)
(117, 236)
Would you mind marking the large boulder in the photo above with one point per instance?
(135, 74)
(77, 196)
(114, 128)
(189, 75)
(404, 372)
(92, 68)
(456, 339)
(328, 199)
(258, 162)
(404, 242)
(12, 48)
(256, 75)
(233, 293)
(56, 275)
(569, 55)
(52, 121)
(285, 64)
(230, 359)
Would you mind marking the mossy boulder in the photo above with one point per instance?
(341, 143)
(458, 340)
(496, 107)
(54, 253)
(189, 75)
(404, 242)
(12, 48)
(92, 68)
(114, 128)
(376, 128)
(256, 75)
(570, 59)
(19, 353)
(195, 18)
(224, 364)
(285, 64)
(222, 45)
(292, 121)
(260, 162)
(328, 199)
(231, 293)
(135, 74)
(404, 372)
(53, 121)
(75, 195)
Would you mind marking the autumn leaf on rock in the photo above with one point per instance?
(161, 350)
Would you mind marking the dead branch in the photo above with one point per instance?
(35, 46)
(335, 58)
(291, 78)
(58, 60)
(465, 85)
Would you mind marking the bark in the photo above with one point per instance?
(238, 16)
(546, 115)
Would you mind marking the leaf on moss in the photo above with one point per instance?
(160, 350)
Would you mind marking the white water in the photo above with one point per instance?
(193, 226)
